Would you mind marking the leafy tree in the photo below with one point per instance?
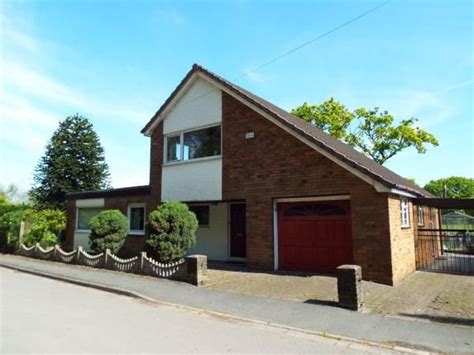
(74, 161)
(172, 230)
(331, 116)
(43, 226)
(372, 132)
(108, 231)
(452, 187)
(10, 219)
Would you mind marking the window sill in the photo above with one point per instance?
(82, 231)
(180, 162)
(406, 227)
(136, 233)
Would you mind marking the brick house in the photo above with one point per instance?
(267, 188)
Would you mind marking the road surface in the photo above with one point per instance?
(43, 316)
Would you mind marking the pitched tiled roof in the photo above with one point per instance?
(333, 146)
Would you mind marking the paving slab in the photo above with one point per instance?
(428, 296)
(311, 317)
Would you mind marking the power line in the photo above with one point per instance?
(325, 34)
(307, 43)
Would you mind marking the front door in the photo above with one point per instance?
(237, 231)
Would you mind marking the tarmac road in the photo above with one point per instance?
(44, 316)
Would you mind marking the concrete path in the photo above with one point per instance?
(310, 317)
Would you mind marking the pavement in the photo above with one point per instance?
(41, 315)
(324, 320)
(428, 296)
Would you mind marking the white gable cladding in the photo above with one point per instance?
(193, 181)
(200, 106)
(197, 180)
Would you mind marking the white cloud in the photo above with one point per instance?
(22, 77)
(20, 40)
(32, 102)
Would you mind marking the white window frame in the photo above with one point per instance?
(181, 134)
(77, 218)
(421, 216)
(129, 208)
(202, 204)
(165, 148)
(404, 212)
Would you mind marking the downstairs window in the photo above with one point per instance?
(84, 216)
(405, 213)
(136, 219)
(202, 214)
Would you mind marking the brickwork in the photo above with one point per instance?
(402, 241)
(349, 287)
(134, 244)
(156, 162)
(70, 225)
(274, 165)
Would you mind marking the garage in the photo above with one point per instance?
(314, 236)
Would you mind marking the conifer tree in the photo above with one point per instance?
(74, 161)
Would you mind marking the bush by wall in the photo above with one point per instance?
(43, 227)
(172, 229)
(11, 216)
(108, 231)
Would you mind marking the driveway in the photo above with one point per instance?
(40, 315)
(422, 296)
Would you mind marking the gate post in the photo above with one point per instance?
(349, 286)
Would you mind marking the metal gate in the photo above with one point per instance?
(443, 250)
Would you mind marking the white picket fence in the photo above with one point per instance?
(142, 264)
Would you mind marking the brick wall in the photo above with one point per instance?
(134, 244)
(274, 165)
(156, 161)
(70, 225)
(402, 241)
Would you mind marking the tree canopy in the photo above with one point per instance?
(452, 187)
(373, 132)
(74, 161)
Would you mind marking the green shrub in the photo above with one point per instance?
(10, 220)
(108, 231)
(172, 230)
(43, 227)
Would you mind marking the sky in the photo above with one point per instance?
(115, 62)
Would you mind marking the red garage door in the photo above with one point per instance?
(314, 236)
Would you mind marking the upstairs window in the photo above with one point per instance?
(404, 213)
(173, 151)
(196, 144)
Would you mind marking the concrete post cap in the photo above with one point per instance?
(197, 256)
(348, 267)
